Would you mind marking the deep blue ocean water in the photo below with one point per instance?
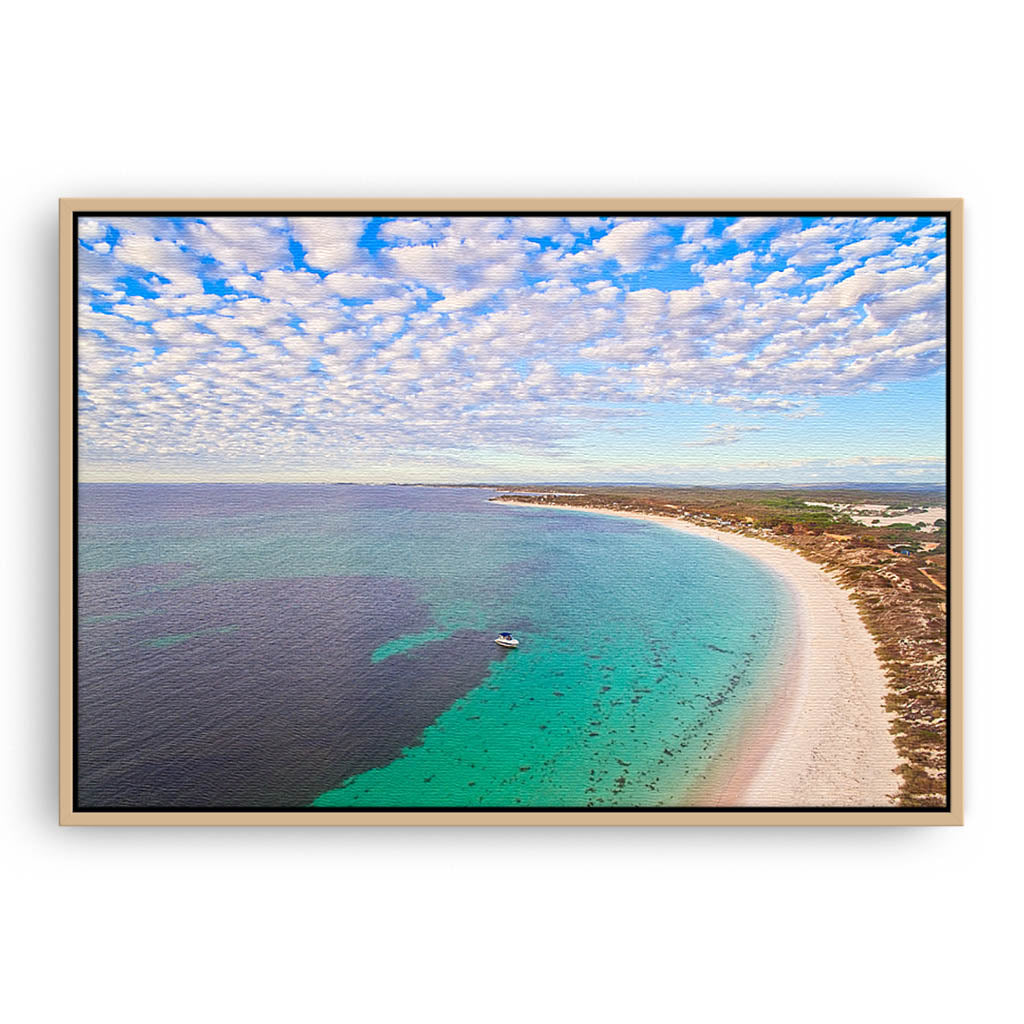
(281, 645)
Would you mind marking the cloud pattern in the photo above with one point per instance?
(259, 345)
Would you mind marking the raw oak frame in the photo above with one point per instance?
(952, 815)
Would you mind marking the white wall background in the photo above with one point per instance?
(327, 99)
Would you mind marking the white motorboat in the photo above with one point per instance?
(506, 640)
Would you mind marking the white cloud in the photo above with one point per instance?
(330, 243)
(780, 280)
(745, 229)
(360, 286)
(723, 433)
(696, 228)
(468, 256)
(240, 244)
(633, 244)
(409, 230)
(496, 360)
(463, 300)
(91, 230)
(170, 260)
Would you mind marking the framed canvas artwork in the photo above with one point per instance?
(511, 511)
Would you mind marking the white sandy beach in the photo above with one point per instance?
(825, 741)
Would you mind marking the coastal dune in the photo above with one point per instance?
(823, 739)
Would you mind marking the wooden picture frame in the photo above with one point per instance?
(950, 812)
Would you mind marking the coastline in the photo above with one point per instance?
(824, 740)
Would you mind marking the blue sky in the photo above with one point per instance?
(685, 349)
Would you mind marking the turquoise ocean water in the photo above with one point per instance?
(283, 645)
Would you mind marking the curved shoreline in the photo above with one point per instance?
(825, 740)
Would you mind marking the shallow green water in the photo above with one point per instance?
(640, 650)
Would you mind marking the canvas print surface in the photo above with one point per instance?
(507, 511)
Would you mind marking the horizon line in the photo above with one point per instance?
(820, 485)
